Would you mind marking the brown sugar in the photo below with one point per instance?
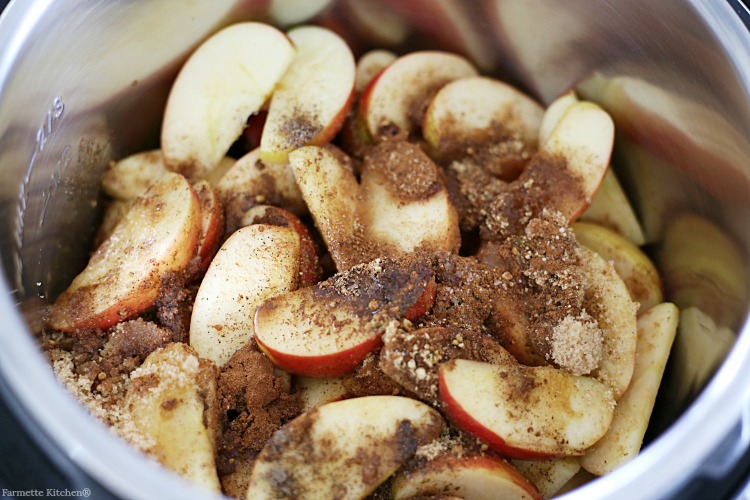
(256, 400)
(408, 172)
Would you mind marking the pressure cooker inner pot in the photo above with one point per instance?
(84, 85)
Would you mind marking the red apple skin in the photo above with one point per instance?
(333, 365)
(469, 424)
(425, 302)
(335, 125)
(212, 216)
(343, 362)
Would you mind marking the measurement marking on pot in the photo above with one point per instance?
(43, 135)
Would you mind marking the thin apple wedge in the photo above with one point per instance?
(376, 23)
(255, 263)
(631, 263)
(212, 223)
(703, 266)
(157, 236)
(327, 330)
(699, 349)
(610, 304)
(251, 182)
(331, 191)
(172, 406)
(583, 138)
(623, 440)
(526, 412)
(549, 476)
(130, 177)
(314, 392)
(471, 477)
(343, 449)
(612, 208)
(405, 206)
(310, 270)
(408, 84)
(554, 112)
(369, 65)
(291, 12)
(473, 113)
(224, 81)
(312, 98)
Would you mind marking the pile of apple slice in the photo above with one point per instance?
(316, 243)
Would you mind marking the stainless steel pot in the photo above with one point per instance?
(84, 82)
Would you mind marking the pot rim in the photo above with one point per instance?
(658, 471)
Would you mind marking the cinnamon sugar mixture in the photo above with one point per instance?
(522, 291)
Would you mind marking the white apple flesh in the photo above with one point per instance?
(312, 98)
(583, 138)
(327, 330)
(130, 177)
(471, 477)
(172, 405)
(343, 449)
(525, 412)
(616, 313)
(255, 263)
(392, 95)
(468, 110)
(224, 81)
(623, 440)
(157, 236)
(631, 263)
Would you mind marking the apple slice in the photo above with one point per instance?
(405, 205)
(343, 449)
(114, 212)
(369, 65)
(158, 236)
(310, 270)
(132, 176)
(327, 330)
(314, 392)
(313, 97)
(549, 476)
(290, 12)
(700, 347)
(468, 112)
(623, 440)
(554, 112)
(215, 175)
(609, 302)
(376, 23)
(632, 265)
(472, 477)
(255, 263)
(171, 411)
(224, 81)
(611, 208)
(212, 223)
(331, 191)
(525, 412)
(411, 358)
(252, 182)
(704, 267)
(583, 138)
(406, 85)
(449, 24)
